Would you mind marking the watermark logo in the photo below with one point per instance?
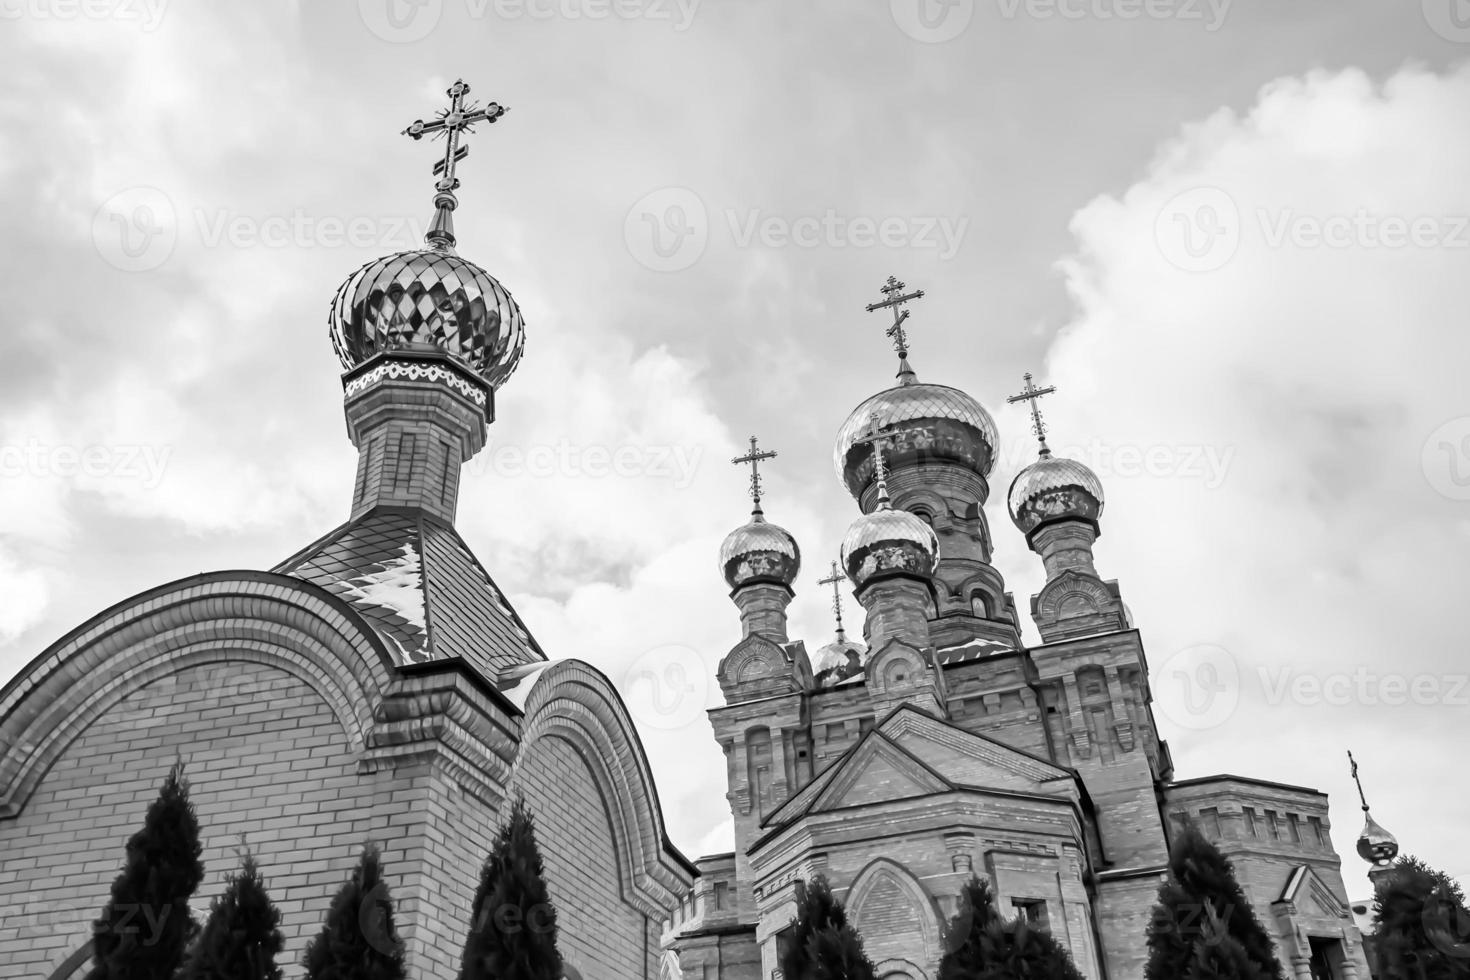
(1450, 19)
(667, 230)
(1446, 459)
(932, 21)
(375, 919)
(136, 230)
(1198, 687)
(144, 465)
(1446, 924)
(1210, 13)
(1198, 230)
(667, 688)
(564, 460)
(401, 21)
(147, 14)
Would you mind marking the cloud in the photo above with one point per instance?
(1284, 290)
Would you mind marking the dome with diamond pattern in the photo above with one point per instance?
(429, 299)
(1054, 488)
(888, 542)
(919, 423)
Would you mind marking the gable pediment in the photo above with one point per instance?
(967, 759)
(1307, 895)
(876, 772)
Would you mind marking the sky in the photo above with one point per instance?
(1232, 233)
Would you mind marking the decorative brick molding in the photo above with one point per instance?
(575, 702)
(254, 617)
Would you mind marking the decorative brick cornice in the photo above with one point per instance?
(406, 370)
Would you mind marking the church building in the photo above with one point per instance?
(378, 685)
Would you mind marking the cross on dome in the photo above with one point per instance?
(459, 119)
(754, 458)
(894, 299)
(880, 465)
(1033, 395)
(835, 580)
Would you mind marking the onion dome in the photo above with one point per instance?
(759, 552)
(888, 541)
(1054, 488)
(429, 299)
(1376, 845)
(919, 423)
(837, 661)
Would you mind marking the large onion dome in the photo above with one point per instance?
(888, 541)
(429, 299)
(919, 423)
(759, 552)
(837, 661)
(1054, 488)
(1376, 845)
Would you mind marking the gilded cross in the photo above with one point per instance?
(895, 297)
(1354, 763)
(1033, 394)
(835, 580)
(754, 458)
(460, 117)
(880, 465)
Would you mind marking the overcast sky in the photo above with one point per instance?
(1235, 235)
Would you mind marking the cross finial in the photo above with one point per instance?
(754, 458)
(835, 580)
(894, 298)
(1354, 763)
(460, 118)
(1033, 394)
(880, 465)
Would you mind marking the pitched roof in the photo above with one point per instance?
(413, 578)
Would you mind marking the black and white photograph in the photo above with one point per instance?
(734, 490)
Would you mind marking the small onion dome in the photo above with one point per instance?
(888, 541)
(759, 552)
(1376, 845)
(1054, 488)
(919, 423)
(837, 661)
(428, 299)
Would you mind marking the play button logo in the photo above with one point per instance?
(1450, 19)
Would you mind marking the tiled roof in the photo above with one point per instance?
(416, 581)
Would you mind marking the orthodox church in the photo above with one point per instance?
(378, 685)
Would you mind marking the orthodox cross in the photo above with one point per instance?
(460, 117)
(1033, 394)
(835, 580)
(1354, 763)
(754, 458)
(895, 297)
(880, 466)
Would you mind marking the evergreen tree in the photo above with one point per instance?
(358, 941)
(242, 937)
(1201, 890)
(146, 925)
(1016, 950)
(1421, 929)
(512, 921)
(964, 954)
(1221, 956)
(816, 910)
(836, 953)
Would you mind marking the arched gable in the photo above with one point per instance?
(891, 909)
(255, 617)
(573, 701)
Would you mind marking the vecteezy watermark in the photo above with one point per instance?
(1209, 13)
(136, 230)
(1450, 19)
(666, 688)
(375, 919)
(1361, 686)
(835, 230)
(932, 21)
(1198, 230)
(669, 229)
(41, 460)
(147, 14)
(1208, 465)
(676, 464)
(1446, 458)
(1201, 230)
(1198, 687)
(407, 21)
(193, 692)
